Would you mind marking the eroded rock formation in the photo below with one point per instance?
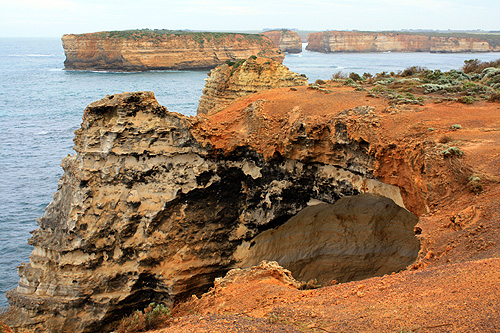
(287, 41)
(347, 41)
(155, 205)
(331, 242)
(236, 79)
(140, 50)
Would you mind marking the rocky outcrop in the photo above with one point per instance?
(141, 50)
(346, 41)
(264, 269)
(155, 205)
(287, 40)
(236, 79)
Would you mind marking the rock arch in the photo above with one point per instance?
(147, 201)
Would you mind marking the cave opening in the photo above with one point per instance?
(355, 238)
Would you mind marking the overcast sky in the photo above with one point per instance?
(38, 18)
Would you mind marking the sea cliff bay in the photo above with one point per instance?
(146, 50)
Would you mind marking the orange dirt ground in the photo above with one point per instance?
(454, 286)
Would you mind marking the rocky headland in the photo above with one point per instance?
(236, 79)
(287, 40)
(142, 50)
(393, 182)
(348, 41)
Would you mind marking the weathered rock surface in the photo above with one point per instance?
(264, 269)
(331, 242)
(159, 50)
(236, 79)
(155, 205)
(287, 40)
(347, 41)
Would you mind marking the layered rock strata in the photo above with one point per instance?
(154, 205)
(346, 41)
(288, 41)
(236, 79)
(161, 50)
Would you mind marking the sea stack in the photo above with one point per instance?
(288, 41)
(142, 50)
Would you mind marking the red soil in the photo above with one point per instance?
(455, 284)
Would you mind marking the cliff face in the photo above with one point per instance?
(287, 41)
(138, 51)
(233, 80)
(155, 205)
(344, 41)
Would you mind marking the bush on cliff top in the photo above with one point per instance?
(154, 316)
(477, 66)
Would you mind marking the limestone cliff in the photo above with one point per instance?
(346, 41)
(140, 50)
(155, 205)
(236, 79)
(287, 40)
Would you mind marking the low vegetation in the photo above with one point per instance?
(156, 34)
(154, 316)
(475, 81)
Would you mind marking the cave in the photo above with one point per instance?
(355, 238)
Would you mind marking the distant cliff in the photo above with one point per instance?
(287, 41)
(347, 41)
(139, 50)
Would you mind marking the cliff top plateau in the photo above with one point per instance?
(360, 203)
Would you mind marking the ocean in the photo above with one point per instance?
(41, 105)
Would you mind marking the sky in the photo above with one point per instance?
(53, 18)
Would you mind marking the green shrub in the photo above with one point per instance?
(409, 95)
(452, 151)
(153, 317)
(477, 66)
(466, 100)
(495, 97)
(385, 81)
(354, 76)
(350, 82)
(474, 183)
(410, 71)
(456, 127)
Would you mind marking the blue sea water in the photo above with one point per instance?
(41, 105)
